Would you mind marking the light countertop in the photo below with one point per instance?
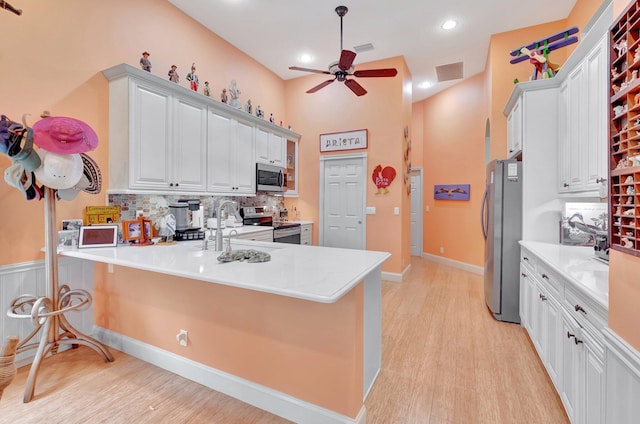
(319, 274)
(578, 264)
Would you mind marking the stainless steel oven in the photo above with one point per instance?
(286, 233)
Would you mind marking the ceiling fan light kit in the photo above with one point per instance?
(343, 68)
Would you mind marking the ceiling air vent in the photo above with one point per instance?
(363, 48)
(449, 72)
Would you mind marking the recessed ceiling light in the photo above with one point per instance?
(305, 58)
(450, 24)
(424, 84)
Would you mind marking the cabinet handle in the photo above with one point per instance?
(545, 276)
(523, 274)
(525, 258)
(170, 184)
(543, 297)
(577, 341)
(565, 185)
(600, 180)
(177, 184)
(569, 335)
(579, 308)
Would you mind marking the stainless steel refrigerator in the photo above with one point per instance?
(501, 216)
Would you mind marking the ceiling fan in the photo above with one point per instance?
(344, 67)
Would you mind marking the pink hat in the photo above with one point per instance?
(62, 135)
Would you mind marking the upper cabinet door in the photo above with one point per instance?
(220, 173)
(190, 146)
(150, 135)
(245, 162)
(514, 130)
(596, 103)
(576, 125)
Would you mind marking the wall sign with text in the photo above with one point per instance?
(350, 140)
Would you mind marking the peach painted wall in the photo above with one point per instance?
(624, 284)
(311, 351)
(453, 153)
(55, 63)
(383, 112)
(503, 74)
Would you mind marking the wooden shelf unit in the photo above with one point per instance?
(624, 132)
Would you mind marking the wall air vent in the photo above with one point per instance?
(363, 48)
(449, 72)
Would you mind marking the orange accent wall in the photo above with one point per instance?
(312, 351)
(453, 153)
(384, 111)
(55, 63)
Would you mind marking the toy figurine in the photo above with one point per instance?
(166, 224)
(614, 73)
(271, 118)
(223, 96)
(248, 108)
(621, 47)
(193, 78)
(538, 52)
(145, 63)
(259, 112)
(173, 74)
(206, 91)
(234, 93)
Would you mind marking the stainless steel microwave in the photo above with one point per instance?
(270, 178)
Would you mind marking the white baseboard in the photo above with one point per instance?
(394, 277)
(456, 264)
(622, 380)
(262, 397)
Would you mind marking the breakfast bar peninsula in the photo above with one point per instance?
(298, 336)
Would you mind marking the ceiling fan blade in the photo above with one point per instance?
(346, 59)
(317, 71)
(321, 85)
(373, 73)
(355, 87)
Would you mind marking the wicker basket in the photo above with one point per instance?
(7, 362)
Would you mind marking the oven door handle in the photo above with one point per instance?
(280, 179)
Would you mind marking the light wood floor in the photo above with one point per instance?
(444, 360)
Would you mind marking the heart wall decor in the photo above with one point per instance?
(382, 178)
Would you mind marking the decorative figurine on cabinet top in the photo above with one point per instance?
(538, 52)
(145, 63)
(271, 118)
(259, 112)
(223, 96)
(193, 78)
(248, 108)
(234, 93)
(206, 91)
(173, 74)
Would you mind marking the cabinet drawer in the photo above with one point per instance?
(551, 281)
(585, 311)
(528, 259)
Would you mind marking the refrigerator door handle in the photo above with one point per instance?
(482, 214)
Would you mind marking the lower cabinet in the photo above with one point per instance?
(266, 235)
(305, 233)
(566, 330)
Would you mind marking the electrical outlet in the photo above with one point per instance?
(371, 210)
(110, 268)
(396, 211)
(442, 250)
(426, 208)
(181, 337)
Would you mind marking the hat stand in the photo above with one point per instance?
(47, 313)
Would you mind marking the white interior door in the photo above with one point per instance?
(342, 201)
(416, 212)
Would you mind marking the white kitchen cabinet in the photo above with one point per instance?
(166, 148)
(565, 326)
(160, 140)
(305, 233)
(270, 148)
(230, 155)
(266, 235)
(514, 129)
(582, 136)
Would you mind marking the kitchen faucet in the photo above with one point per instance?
(219, 215)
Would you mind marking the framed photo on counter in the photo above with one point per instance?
(137, 231)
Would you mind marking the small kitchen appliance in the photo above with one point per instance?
(601, 247)
(270, 177)
(181, 212)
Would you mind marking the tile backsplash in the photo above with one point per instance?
(148, 203)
